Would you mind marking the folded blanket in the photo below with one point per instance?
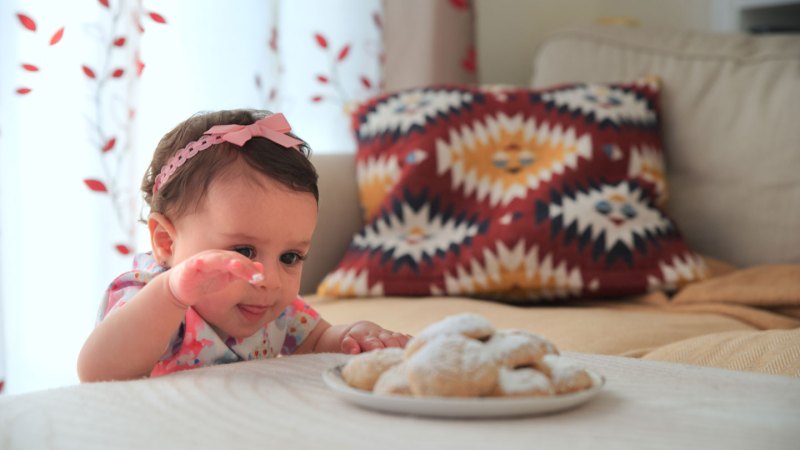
(772, 351)
(764, 296)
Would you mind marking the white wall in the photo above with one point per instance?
(509, 30)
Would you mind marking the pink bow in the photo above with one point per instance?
(272, 127)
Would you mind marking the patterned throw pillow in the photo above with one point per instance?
(513, 194)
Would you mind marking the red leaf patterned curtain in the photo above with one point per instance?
(88, 88)
(68, 100)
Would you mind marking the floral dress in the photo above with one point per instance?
(195, 343)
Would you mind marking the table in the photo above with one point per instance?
(283, 403)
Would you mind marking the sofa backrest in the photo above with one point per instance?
(731, 124)
(339, 216)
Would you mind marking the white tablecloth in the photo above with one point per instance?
(283, 403)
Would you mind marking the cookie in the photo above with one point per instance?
(519, 348)
(363, 370)
(394, 381)
(566, 376)
(524, 382)
(464, 356)
(452, 365)
(468, 325)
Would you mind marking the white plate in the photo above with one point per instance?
(459, 407)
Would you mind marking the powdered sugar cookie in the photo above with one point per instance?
(363, 370)
(464, 356)
(393, 382)
(517, 348)
(566, 376)
(523, 382)
(452, 365)
(469, 325)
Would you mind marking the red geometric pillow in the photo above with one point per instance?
(513, 194)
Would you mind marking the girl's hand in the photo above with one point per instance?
(205, 274)
(365, 336)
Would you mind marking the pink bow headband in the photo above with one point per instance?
(273, 127)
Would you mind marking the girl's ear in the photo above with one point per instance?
(162, 238)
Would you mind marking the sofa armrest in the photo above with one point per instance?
(339, 216)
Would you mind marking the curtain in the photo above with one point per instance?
(70, 74)
(88, 88)
(429, 42)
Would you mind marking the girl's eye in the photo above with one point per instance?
(247, 252)
(291, 258)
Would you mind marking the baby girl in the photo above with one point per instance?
(233, 205)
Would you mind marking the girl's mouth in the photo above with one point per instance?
(252, 313)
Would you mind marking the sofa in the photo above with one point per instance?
(729, 109)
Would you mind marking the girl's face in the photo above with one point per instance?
(263, 220)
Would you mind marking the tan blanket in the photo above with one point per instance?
(766, 297)
(767, 351)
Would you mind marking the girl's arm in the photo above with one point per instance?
(354, 338)
(128, 343)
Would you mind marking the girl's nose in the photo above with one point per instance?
(270, 278)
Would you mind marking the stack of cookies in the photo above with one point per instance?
(465, 356)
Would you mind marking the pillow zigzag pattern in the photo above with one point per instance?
(513, 194)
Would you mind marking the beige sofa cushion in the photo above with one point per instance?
(603, 329)
(731, 109)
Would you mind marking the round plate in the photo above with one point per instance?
(459, 407)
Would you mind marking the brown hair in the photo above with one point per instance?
(188, 185)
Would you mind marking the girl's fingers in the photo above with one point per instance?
(230, 262)
(196, 278)
(350, 346)
(195, 264)
(258, 275)
(372, 343)
(246, 272)
(391, 340)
